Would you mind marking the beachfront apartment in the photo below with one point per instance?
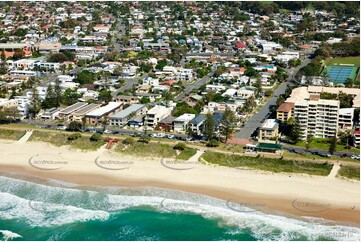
(79, 114)
(180, 123)
(66, 112)
(121, 118)
(268, 132)
(100, 114)
(285, 111)
(345, 118)
(318, 118)
(196, 124)
(155, 114)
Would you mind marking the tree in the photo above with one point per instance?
(70, 97)
(144, 100)
(9, 114)
(167, 95)
(74, 126)
(189, 132)
(58, 93)
(294, 134)
(105, 95)
(258, 85)
(35, 102)
(3, 67)
(95, 137)
(333, 143)
(180, 146)
(85, 77)
(128, 141)
(228, 124)
(50, 100)
(209, 127)
(309, 139)
(349, 82)
(19, 54)
(58, 57)
(219, 71)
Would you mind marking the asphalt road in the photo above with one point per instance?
(255, 121)
(195, 85)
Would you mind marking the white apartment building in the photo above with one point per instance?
(345, 118)
(318, 118)
(155, 114)
(181, 122)
(184, 75)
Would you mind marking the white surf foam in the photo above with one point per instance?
(67, 205)
(8, 235)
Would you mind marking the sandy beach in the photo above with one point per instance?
(300, 195)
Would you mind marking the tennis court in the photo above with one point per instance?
(340, 74)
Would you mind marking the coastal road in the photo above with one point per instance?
(255, 121)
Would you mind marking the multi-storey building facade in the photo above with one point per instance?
(318, 118)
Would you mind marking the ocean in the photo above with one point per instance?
(55, 210)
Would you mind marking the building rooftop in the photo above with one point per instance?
(87, 109)
(185, 117)
(270, 124)
(126, 112)
(73, 107)
(106, 109)
(285, 107)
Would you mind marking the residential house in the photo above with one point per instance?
(180, 123)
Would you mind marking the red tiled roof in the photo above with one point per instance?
(285, 107)
(240, 45)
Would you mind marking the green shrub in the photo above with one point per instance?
(74, 136)
(180, 146)
(144, 139)
(212, 143)
(128, 141)
(95, 137)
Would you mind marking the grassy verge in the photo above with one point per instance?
(60, 139)
(186, 153)
(349, 172)
(267, 164)
(146, 150)
(11, 134)
(343, 60)
(322, 144)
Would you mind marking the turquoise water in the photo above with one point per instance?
(53, 210)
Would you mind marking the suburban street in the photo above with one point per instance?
(255, 121)
(195, 85)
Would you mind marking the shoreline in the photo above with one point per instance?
(284, 194)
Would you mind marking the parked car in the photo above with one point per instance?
(61, 127)
(344, 156)
(355, 157)
(160, 135)
(107, 131)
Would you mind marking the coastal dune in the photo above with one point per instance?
(292, 194)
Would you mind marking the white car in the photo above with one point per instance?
(61, 127)
(107, 131)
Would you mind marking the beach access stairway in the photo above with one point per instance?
(197, 155)
(335, 168)
(25, 138)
